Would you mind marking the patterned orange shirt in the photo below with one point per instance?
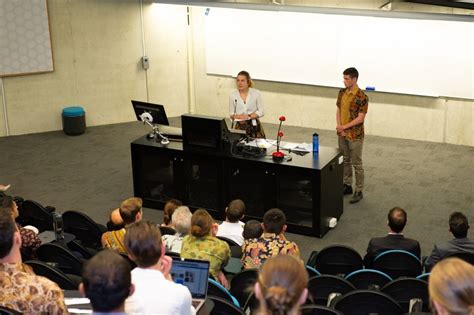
(23, 291)
(257, 250)
(115, 240)
(358, 103)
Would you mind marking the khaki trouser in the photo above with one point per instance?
(352, 151)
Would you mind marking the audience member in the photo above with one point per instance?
(281, 287)
(458, 226)
(252, 229)
(130, 211)
(181, 222)
(451, 287)
(397, 219)
(29, 239)
(115, 222)
(202, 244)
(106, 287)
(170, 206)
(4, 187)
(272, 242)
(155, 293)
(21, 289)
(232, 227)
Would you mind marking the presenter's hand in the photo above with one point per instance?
(339, 128)
(341, 134)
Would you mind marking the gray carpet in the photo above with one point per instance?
(92, 173)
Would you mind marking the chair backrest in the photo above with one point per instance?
(398, 263)
(37, 216)
(338, 259)
(242, 284)
(467, 257)
(318, 310)
(83, 228)
(54, 274)
(8, 311)
(63, 257)
(424, 276)
(404, 289)
(228, 241)
(368, 278)
(321, 286)
(235, 249)
(363, 302)
(312, 272)
(224, 307)
(216, 289)
(166, 230)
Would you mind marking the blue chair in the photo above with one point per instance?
(363, 302)
(216, 289)
(312, 272)
(398, 263)
(368, 278)
(424, 276)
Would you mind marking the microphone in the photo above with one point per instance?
(235, 111)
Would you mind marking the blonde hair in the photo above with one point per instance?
(451, 285)
(247, 76)
(130, 208)
(201, 223)
(282, 280)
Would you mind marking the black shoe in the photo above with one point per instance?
(347, 190)
(357, 197)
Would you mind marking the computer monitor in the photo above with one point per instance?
(154, 113)
(202, 133)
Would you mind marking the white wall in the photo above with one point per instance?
(97, 46)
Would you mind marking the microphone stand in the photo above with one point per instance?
(233, 116)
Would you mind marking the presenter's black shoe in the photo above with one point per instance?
(347, 189)
(357, 197)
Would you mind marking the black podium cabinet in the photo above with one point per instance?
(308, 188)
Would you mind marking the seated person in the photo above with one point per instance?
(155, 292)
(115, 222)
(21, 289)
(252, 229)
(170, 206)
(458, 226)
(282, 284)
(181, 222)
(130, 211)
(202, 244)
(397, 219)
(271, 243)
(29, 239)
(105, 287)
(232, 227)
(451, 287)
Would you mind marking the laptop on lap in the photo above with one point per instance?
(193, 274)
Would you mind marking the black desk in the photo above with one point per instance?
(308, 188)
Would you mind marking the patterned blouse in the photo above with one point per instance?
(115, 240)
(28, 293)
(358, 102)
(257, 250)
(208, 248)
(29, 240)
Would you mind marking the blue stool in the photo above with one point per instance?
(74, 120)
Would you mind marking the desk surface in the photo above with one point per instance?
(326, 155)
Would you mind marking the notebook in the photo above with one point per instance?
(194, 274)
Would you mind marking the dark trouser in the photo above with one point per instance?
(352, 151)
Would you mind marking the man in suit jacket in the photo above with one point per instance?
(397, 219)
(458, 226)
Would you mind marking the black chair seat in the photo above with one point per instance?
(66, 261)
(165, 230)
(83, 228)
(467, 257)
(216, 289)
(60, 278)
(36, 215)
(398, 263)
(321, 286)
(235, 249)
(404, 289)
(242, 284)
(8, 311)
(337, 259)
(318, 310)
(224, 307)
(363, 302)
(368, 278)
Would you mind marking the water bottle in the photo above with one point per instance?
(315, 143)
(58, 226)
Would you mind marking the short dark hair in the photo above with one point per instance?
(129, 209)
(235, 210)
(458, 224)
(352, 72)
(252, 229)
(274, 220)
(106, 278)
(397, 219)
(143, 243)
(6, 202)
(7, 231)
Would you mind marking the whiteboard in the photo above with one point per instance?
(399, 55)
(25, 44)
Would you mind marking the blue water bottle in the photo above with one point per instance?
(315, 143)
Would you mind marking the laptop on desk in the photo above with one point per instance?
(193, 274)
